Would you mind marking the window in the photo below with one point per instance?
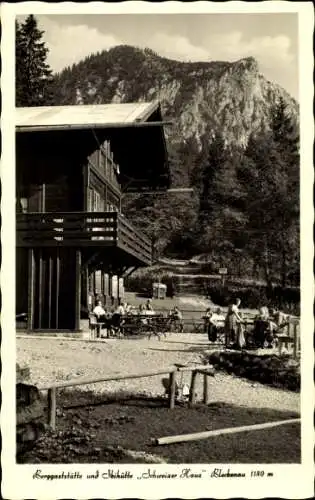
(96, 201)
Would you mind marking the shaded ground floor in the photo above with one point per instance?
(91, 430)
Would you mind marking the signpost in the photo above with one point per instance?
(223, 271)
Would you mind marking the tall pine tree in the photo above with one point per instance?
(33, 74)
(271, 178)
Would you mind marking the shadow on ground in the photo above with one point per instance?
(93, 428)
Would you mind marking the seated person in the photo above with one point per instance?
(127, 308)
(142, 312)
(99, 312)
(263, 328)
(177, 317)
(100, 315)
(148, 305)
(117, 318)
(214, 323)
(279, 318)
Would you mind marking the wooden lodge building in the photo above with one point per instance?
(73, 163)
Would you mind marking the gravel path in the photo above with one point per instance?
(53, 360)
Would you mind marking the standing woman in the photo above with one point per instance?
(232, 321)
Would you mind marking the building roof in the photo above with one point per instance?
(85, 116)
(135, 132)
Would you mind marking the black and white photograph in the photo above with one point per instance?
(160, 312)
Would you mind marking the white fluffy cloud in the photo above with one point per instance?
(177, 47)
(225, 47)
(264, 48)
(69, 44)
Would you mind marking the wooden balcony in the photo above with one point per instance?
(82, 230)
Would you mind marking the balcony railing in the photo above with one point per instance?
(82, 229)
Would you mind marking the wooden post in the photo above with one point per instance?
(192, 395)
(49, 290)
(40, 288)
(205, 389)
(288, 334)
(31, 289)
(218, 432)
(51, 396)
(280, 347)
(172, 389)
(295, 342)
(77, 289)
(57, 287)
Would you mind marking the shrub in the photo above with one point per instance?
(22, 374)
(273, 370)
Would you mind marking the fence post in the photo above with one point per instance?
(205, 389)
(288, 335)
(172, 389)
(295, 342)
(192, 392)
(51, 396)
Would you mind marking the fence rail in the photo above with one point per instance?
(205, 370)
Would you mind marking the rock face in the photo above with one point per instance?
(202, 98)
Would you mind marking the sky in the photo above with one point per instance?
(272, 38)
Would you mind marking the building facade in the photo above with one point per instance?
(73, 243)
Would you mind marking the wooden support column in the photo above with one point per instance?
(110, 287)
(50, 277)
(31, 290)
(57, 286)
(86, 286)
(40, 288)
(77, 289)
(102, 283)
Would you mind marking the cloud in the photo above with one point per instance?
(177, 47)
(266, 49)
(70, 44)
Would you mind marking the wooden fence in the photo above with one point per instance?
(205, 370)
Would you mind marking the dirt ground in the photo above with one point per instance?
(132, 423)
(101, 432)
(53, 360)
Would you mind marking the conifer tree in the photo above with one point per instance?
(271, 178)
(33, 74)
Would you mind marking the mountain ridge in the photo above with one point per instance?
(203, 97)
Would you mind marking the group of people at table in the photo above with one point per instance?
(113, 321)
(266, 324)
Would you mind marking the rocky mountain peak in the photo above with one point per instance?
(247, 64)
(201, 97)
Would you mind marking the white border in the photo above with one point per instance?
(289, 481)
